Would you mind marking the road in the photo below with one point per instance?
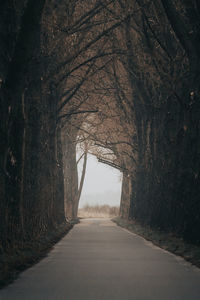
(97, 260)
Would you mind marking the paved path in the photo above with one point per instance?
(98, 260)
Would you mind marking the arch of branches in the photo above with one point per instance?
(119, 78)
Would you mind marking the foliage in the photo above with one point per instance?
(120, 77)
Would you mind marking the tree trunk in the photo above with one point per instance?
(125, 196)
(21, 72)
(70, 171)
(77, 199)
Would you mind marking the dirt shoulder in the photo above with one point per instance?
(18, 259)
(167, 241)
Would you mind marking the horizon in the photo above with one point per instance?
(100, 179)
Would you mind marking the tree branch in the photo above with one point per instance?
(111, 164)
(76, 113)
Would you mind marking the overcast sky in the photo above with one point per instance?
(101, 182)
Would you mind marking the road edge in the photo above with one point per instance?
(166, 241)
(18, 260)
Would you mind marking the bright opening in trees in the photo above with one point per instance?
(102, 185)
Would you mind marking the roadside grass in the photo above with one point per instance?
(98, 211)
(167, 241)
(19, 258)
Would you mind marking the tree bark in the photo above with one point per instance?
(77, 199)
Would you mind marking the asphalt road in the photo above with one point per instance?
(98, 260)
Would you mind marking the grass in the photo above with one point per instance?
(18, 259)
(98, 211)
(167, 241)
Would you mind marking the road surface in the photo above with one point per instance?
(97, 260)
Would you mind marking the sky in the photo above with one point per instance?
(102, 184)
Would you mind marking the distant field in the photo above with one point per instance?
(100, 211)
